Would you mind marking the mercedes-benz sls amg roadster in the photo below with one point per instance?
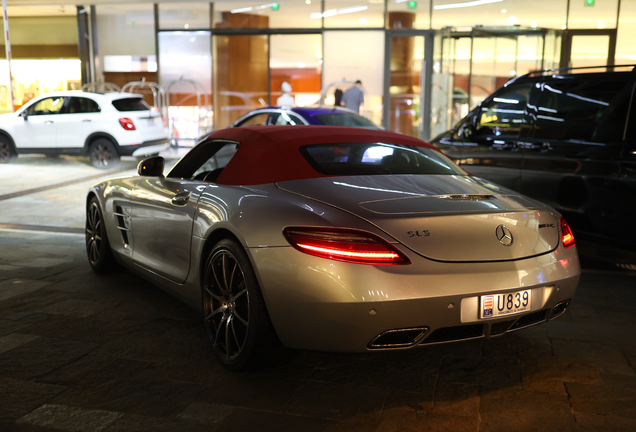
(334, 239)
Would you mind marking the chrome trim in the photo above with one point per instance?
(465, 197)
(422, 335)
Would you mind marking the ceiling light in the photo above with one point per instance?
(307, 1)
(300, 64)
(363, 20)
(563, 27)
(533, 24)
(352, 9)
(466, 4)
(513, 72)
(333, 12)
(186, 26)
(239, 10)
(504, 10)
(600, 25)
(512, 19)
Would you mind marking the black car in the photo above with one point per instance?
(564, 137)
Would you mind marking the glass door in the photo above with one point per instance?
(408, 83)
(584, 48)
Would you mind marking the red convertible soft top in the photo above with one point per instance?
(270, 154)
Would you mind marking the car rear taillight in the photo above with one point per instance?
(127, 123)
(342, 244)
(566, 233)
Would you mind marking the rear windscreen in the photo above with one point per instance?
(345, 119)
(131, 104)
(377, 158)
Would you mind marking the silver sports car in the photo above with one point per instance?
(336, 239)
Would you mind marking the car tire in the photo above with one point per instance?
(235, 316)
(100, 256)
(7, 151)
(103, 154)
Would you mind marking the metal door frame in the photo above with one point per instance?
(566, 44)
(425, 76)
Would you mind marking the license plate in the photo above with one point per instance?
(497, 305)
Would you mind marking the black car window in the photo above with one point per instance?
(259, 119)
(284, 118)
(47, 106)
(131, 104)
(205, 162)
(504, 114)
(78, 105)
(339, 118)
(377, 158)
(583, 110)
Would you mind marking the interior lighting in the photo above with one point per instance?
(503, 11)
(412, 4)
(307, 1)
(600, 25)
(533, 24)
(362, 20)
(334, 12)
(589, 3)
(465, 4)
(239, 10)
(512, 19)
(186, 26)
(300, 64)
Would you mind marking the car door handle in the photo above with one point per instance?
(181, 199)
(87, 121)
(48, 122)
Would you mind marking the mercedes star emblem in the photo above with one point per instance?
(504, 235)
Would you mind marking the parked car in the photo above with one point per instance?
(334, 239)
(101, 126)
(321, 115)
(566, 138)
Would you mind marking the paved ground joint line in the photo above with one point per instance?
(58, 185)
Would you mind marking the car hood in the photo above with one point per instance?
(442, 217)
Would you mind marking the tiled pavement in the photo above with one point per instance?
(81, 352)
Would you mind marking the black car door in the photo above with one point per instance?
(624, 226)
(491, 136)
(572, 161)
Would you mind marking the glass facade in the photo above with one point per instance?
(423, 63)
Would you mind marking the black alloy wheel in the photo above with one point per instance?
(103, 154)
(7, 153)
(97, 247)
(235, 316)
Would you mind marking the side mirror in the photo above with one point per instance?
(25, 115)
(151, 167)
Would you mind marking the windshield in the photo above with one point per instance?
(345, 119)
(377, 158)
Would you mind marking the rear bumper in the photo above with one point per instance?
(326, 305)
(145, 148)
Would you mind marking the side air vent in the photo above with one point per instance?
(123, 223)
(465, 197)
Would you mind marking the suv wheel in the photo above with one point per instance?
(103, 154)
(7, 152)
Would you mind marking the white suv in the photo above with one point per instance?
(101, 126)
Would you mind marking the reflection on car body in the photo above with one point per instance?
(336, 239)
(295, 116)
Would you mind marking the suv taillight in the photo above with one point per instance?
(127, 123)
(566, 233)
(347, 245)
